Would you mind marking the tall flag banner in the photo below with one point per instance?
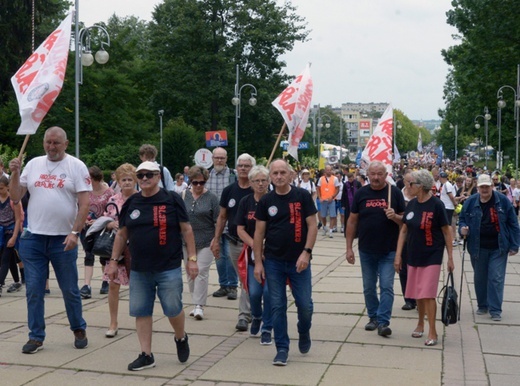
(379, 145)
(38, 82)
(439, 153)
(294, 104)
(419, 143)
(397, 155)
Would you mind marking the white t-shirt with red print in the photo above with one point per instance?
(53, 186)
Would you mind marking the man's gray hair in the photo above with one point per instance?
(423, 178)
(256, 170)
(246, 157)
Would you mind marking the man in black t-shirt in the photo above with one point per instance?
(229, 200)
(286, 219)
(377, 222)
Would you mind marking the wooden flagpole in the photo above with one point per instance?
(276, 144)
(389, 194)
(24, 145)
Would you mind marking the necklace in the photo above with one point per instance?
(48, 169)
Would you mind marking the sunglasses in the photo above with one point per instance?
(148, 175)
(198, 183)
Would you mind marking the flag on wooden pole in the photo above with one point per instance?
(379, 145)
(38, 82)
(294, 104)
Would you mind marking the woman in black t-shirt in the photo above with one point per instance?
(246, 224)
(427, 232)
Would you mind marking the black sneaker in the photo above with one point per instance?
(255, 327)
(80, 338)
(183, 348)
(232, 293)
(15, 287)
(266, 339)
(281, 358)
(142, 362)
(304, 343)
(32, 346)
(85, 292)
(384, 330)
(241, 325)
(104, 288)
(408, 306)
(220, 293)
(371, 325)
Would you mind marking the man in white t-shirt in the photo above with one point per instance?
(59, 186)
(447, 196)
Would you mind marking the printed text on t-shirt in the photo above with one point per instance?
(49, 181)
(159, 219)
(295, 209)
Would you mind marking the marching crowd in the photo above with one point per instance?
(259, 225)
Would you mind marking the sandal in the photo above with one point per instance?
(430, 342)
(417, 334)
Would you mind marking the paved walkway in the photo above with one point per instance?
(475, 351)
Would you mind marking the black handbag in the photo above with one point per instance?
(449, 307)
(104, 241)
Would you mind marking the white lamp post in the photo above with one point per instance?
(486, 118)
(236, 102)
(502, 104)
(84, 57)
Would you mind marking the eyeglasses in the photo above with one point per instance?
(219, 158)
(198, 183)
(262, 181)
(243, 166)
(148, 175)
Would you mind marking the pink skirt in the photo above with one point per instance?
(423, 282)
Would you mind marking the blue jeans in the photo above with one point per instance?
(258, 291)
(489, 275)
(277, 272)
(374, 266)
(36, 251)
(227, 276)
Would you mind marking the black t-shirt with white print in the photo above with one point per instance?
(286, 226)
(230, 198)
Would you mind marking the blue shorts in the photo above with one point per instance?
(328, 208)
(339, 209)
(144, 286)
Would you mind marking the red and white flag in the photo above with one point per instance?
(379, 146)
(294, 104)
(38, 82)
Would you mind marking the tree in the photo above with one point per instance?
(194, 47)
(484, 60)
(180, 142)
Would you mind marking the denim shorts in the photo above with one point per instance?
(144, 286)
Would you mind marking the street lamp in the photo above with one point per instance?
(161, 113)
(486, 118)
(320, 126)
(236, 102)
(84, 57)
(313, 113)
(456, 127)
(502, 104)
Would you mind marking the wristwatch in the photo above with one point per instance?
(192, 258)
(308, 250)
(75, 233)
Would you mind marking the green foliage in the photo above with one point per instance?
(110, 157)
(180, 142)
(484, 59)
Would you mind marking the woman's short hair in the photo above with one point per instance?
(125, 169)
(179, 175)
(95, 173)
(423, 178)
(256, 170)
(198, 171)
(4, 180)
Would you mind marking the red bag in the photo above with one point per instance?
(242, 263)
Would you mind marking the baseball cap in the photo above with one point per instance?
(484, 180)
(305, 171)
(443, 175)
(148, 165)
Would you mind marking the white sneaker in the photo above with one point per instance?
(330, 233)
(198, 313)
(455, 243)
(325, 229)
